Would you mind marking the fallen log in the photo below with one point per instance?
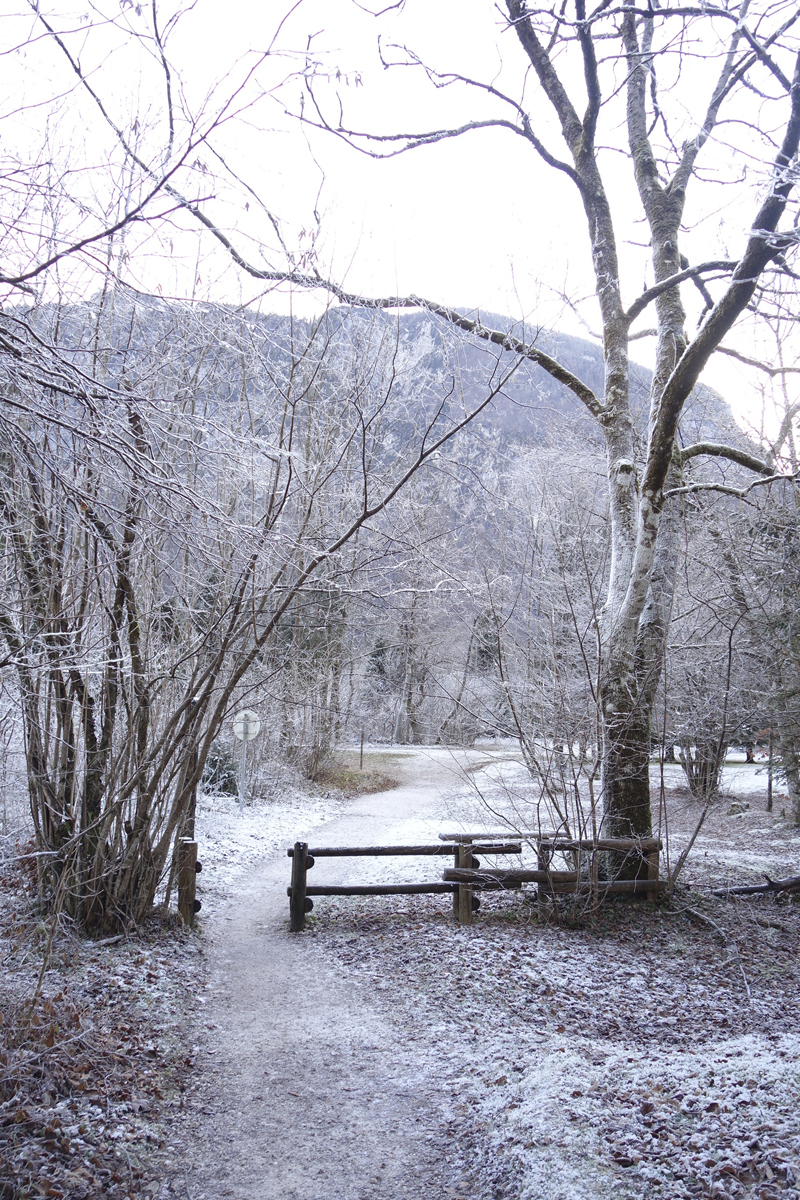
(790, 885)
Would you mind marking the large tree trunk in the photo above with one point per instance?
(790, 764)
(626, 767)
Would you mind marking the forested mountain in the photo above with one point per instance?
(534, 402)
(136, 327)
(208, 350)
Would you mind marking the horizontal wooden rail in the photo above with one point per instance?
(642, 845)
(462, 875)
(390, 851)
(555, 841)
(475, 837)
(378, 889)
(558, 880)
(397, 889)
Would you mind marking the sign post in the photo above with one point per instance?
(246, 727)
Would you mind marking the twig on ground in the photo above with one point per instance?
(773, 925)
(790, 884)
(726, 941)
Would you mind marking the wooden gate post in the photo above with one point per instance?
(456, 891)
(187, 880)
(543, 858)
(465, 889)
(297, 900)
(652, 875)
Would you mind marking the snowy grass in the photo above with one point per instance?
(230, 842)
(623, 1060)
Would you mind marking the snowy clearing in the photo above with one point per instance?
(388, 1053)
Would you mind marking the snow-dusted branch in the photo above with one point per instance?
(726, 490)
(658, 289)
(716, 450)
(773, 372)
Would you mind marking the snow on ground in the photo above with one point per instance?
(94, 1066)
(230, 842)
(741, 846)
(623, 1061)
(645, 1055)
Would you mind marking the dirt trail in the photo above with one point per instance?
(309, 1091)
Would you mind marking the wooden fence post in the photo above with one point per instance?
(464, 894)
(187, 880)
(543, 856)
(652, 875)
(297, 901)
(456, 891)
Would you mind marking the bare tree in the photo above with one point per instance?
(169, 513)
(595, 70)
(617, 53)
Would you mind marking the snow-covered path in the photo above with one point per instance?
(311, 1095)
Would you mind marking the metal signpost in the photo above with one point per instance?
(246, 726)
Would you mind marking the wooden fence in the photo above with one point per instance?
(578, 881)
(300, 892)
(466, 875)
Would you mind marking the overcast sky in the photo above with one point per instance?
(477, 222)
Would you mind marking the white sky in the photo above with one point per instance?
(478, 221)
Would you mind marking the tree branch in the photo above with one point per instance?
(726, 490)
(761, 248)
(590, 75)
(763, 57)
(715, 450)
(652, 293)
(415, 140)
(754, 362)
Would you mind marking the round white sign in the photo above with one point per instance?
(246, 725)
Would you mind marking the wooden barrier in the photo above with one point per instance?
(301, 894)
(188, 870)
(395, 851)
(558, 841)
(554, 883)
(467, 875)
(558, 882)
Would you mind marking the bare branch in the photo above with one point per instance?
(413, 141)
(658, 289)
(773, 372)
(715, 450)
(768, 62)
(726, 490)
